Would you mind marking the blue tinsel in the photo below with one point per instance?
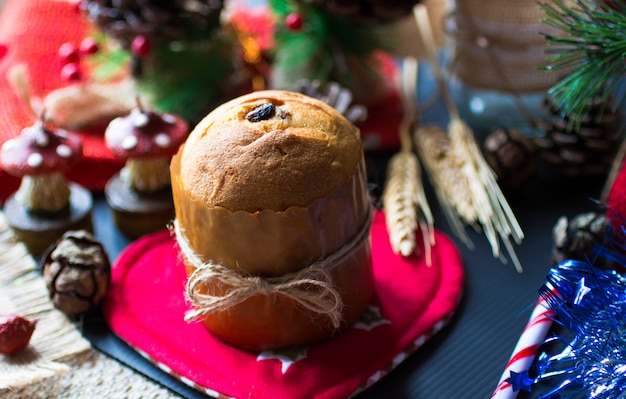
(590, 304)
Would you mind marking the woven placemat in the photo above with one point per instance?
(59, 362)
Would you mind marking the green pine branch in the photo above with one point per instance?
(191, 79)
(325, 48)
(592, 44)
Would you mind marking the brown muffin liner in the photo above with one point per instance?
(273, 243)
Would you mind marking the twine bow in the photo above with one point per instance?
(311, 287)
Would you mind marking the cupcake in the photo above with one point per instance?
(272, 219)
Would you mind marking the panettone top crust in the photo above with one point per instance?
(269, 150)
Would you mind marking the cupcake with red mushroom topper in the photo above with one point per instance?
(45, 205)
(140, 194)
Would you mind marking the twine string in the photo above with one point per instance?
(311, 287)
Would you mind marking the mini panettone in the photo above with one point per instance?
(273, 219)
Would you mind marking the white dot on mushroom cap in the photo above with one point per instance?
(129, 142)
(9, 145)
(64, 151)
(162, 140)
(42, 140)
(35, 160)
(169, 119)
(139, 118)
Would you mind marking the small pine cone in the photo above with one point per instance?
(77, 273)
(161, 21)
(512, 155)
(574, 239)
(369, 11)
(587, 151)
(335, 95)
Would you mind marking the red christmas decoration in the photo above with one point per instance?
(71, 72)
(15, 333)
(88, 46)
(68, 53)
(141, 46)
(294, 21)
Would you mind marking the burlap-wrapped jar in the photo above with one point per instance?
(496, 61)
(500, 46)
(272, 187)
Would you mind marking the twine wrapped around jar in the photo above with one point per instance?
(500, 46)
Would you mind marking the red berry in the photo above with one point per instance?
(71, 72)
(88, 46)
(68, 53)
(141, 46)
(294, 21)
(15, 333)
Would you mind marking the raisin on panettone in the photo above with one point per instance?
(77, 272)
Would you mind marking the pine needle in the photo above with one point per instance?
(404, 201)
(592, 43)
(465, 184)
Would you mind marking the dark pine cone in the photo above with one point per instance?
(77, 273)
(370, 11)
(512, 156)
(574, 239)
(160, 21)
(585, 151)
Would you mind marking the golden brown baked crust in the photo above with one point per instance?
(303, 151)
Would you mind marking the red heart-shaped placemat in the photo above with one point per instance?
(145, 307)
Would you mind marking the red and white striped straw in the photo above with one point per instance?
(526, 349)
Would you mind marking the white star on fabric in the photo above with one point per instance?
(287, 357)
(371, 318)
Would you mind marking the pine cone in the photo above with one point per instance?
(587, 151)
(77, 272)
(574, 239)
(370, 11)
(333, 94)
(158, 20)
(512, 156)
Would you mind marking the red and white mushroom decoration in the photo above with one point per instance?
(40, 156)
(146, 140)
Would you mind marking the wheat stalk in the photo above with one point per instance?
(465, 184)
(434, 150)
(404, 201)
